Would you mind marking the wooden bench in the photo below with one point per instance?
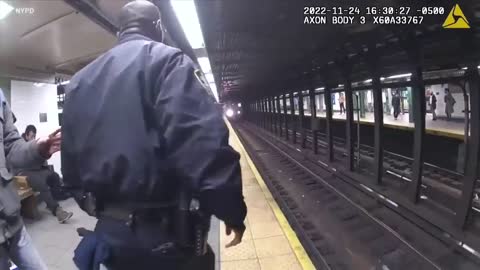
(28, 198)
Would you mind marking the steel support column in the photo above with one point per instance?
(373, 60)
(257, 114)
(301, 117)
(349, 124)
(328, 105)
(265, 107)
(378, 129)
(285, 115)
(274, 115)
(471, 172)
(279, 118)
(270, 111)
(313, 110)
(419, 110)
(262, 105)
(294, 124)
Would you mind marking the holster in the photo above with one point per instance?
(192, 225)
(183, 218)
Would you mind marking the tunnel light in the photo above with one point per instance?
(400, 76)
(238, 112)
(370, 80)
(5, 9)
(229, 113)
(465, 68)
(239, 105)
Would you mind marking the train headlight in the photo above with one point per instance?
(229, 113)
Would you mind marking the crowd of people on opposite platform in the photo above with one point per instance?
(432, 101)
(449, 104)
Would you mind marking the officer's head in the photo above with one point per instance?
(141, 17)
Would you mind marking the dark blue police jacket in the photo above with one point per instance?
(139, 121)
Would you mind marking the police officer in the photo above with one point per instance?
(146, 151)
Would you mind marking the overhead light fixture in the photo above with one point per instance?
(340, 85)
(204, 64)
(382, 78)
(465, 68)
(321, 88)
(5, 9)
(187, 16)
(210, 78)
(38, 84)
(186, 13)
(368, 81)
(400, 76)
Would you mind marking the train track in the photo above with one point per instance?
(444, 185)
(352, 230)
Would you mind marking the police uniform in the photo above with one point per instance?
(139, 125)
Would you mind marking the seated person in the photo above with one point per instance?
(38, 179)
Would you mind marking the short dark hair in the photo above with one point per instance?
(30, 128)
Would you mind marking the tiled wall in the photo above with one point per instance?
(5, 86)
(28, 101)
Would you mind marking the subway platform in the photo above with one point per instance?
(269, 242)
(453, 129)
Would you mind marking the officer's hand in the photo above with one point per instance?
(50, 145)
(238, 235)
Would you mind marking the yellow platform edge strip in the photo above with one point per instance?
(297, 247)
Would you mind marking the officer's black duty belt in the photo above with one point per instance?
(146, 211)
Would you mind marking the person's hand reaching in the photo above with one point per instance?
(49, 145)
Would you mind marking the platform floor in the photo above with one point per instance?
(454, 127)
(269, 242)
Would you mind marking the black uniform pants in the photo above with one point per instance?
(396, 111)
(38, 180)
(132, 248)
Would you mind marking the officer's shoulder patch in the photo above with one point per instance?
(203, 81)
